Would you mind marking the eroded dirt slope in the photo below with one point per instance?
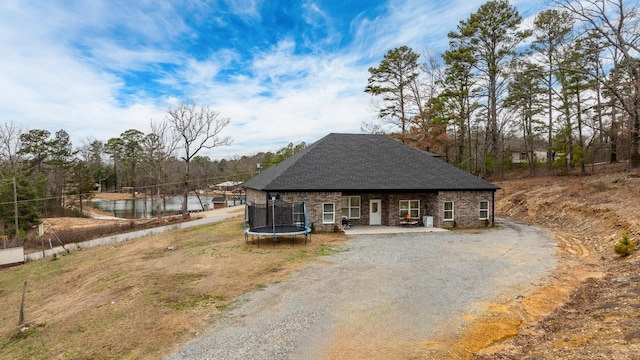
(599, 315)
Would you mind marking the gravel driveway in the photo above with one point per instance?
(403, 287)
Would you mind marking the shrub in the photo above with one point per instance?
(624, 247)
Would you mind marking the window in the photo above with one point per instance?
(448, 211)
(328, 213)
(484, 210)
(351, 207)
(410, 207)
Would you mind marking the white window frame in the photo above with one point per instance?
(346, 211)
(332, 213)
(409, 209)
(484, 210)
(452, 211)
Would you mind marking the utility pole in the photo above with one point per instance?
(15, 209)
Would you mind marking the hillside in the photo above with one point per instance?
(590, 307)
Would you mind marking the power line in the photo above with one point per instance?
(217, 178)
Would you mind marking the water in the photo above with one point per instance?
(146, 208)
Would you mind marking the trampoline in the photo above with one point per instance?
(276, 219)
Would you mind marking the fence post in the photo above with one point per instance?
(24, 289)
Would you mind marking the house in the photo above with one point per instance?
(520, 157)
(228, 186)
(375, 180)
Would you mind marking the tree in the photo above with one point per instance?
(159, 146)
(592, 48)
(36, 144)
(114, 147)
(427, 129)
(617, 23)
(577, 83)
(9, 147)
(25, 194)
(457, 99)
(61, 160)
(197, 128)
(131, 147)
(552, 29)
(81, 183)
(492, 33)
(92, 152)
(525, 97)
(615, 81)
(394, 79)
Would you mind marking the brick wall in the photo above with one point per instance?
(315, 201)
(466, 206)
(391, 206)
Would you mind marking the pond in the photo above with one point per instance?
(144, 208)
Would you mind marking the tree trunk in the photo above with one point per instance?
(461, 146)
(601, 154)
(185, 213)
(634, 157)
(493, 123)
(550, 110)
(583, 170)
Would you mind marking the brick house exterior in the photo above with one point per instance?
(375, 190)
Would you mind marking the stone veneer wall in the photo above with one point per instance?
(466, 208)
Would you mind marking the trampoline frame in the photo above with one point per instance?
(274, 228)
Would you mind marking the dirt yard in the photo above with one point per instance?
(590, 306)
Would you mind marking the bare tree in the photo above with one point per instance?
(159, 146)
(197, 128)
(617, 22)
(10, 146)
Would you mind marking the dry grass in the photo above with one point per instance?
(140, 300)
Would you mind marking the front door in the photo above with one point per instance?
(375, 212)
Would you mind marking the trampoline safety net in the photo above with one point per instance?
(276, 217)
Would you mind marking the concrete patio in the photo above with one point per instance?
(365, 230)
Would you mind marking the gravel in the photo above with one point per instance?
(408, 286)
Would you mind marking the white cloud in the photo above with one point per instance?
(66, 67)
(248, 9)
(289, 98)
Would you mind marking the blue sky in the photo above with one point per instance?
(282, 71)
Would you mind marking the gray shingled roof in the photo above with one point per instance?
(344, 162)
